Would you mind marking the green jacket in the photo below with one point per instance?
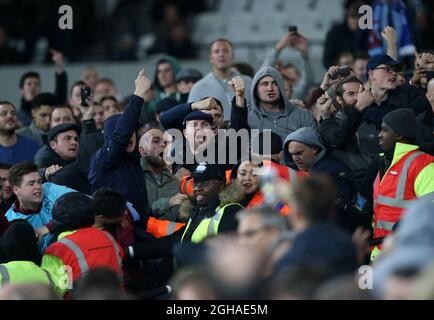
(160, 188)
(148, 112)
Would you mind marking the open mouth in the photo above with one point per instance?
(247, 185)
(37, 194)
(201, 138)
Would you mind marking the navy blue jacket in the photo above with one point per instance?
(111, 166)
(323, 245)
(174, 117)
(338, 171)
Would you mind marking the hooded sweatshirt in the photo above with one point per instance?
(148, 113)
(176, 67)
(290, 119)
(307, 136)
(323, 164)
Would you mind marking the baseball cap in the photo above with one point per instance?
(205, 172)
(383, 59)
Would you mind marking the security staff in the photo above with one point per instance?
(406, 173)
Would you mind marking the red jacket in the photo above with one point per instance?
(87, 249)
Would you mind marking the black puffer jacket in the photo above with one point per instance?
(46, 157)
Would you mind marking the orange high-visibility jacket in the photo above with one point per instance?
(397, 188)
(162, 228)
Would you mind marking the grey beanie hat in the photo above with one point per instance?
(403, 122)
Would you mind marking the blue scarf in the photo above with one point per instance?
(382, 18)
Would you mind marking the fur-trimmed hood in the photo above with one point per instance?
(231, 193)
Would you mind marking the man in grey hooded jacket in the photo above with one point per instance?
(310, 155)
(270, 109)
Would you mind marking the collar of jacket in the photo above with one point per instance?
(147, 169)
(35, 129)
(401, 149)
(65, 234)
(232, 193)
(283, 111)
(232, 75)
(167, 175)
(24, 211)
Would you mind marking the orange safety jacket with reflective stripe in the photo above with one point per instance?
(395, 190)
(87, 249)
(186, 186)
(162, 228)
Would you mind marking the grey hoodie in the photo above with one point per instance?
(307, 136)
(290, 119)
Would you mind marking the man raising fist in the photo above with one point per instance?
(116, 164)
(239, 88)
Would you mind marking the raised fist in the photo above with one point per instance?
(237, 84)
(205, 104)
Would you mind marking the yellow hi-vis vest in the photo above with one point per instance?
(17, 272)
(207, 227)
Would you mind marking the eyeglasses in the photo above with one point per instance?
(388, 69)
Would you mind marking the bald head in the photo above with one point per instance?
(151, 147)
(430, 93)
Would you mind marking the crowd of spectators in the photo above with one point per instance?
(236, 184)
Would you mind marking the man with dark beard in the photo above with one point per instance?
(161, 184)
(13, 148)
(347, 150)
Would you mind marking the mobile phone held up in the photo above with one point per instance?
(85, 93)
(342, 72)
(293, 29)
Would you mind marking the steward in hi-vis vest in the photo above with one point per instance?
(19, 257)
(210, 212)
(406, 173)
(81, 246)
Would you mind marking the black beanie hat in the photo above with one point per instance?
(72, 211)
(403, 122)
